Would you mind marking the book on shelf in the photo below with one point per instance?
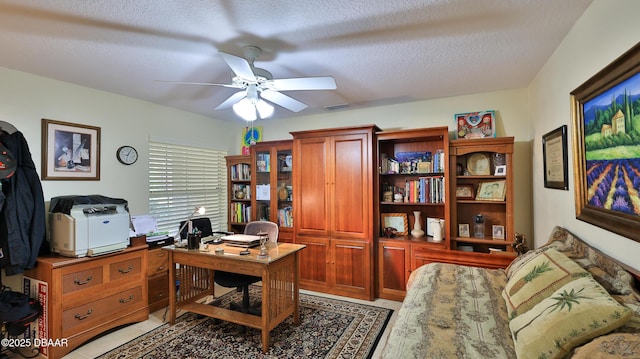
(263, 162)
(241, 172)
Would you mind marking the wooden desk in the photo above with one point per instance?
(280, 283)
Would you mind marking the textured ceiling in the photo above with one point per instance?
(378, 51)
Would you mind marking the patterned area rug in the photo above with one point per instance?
(329, 328)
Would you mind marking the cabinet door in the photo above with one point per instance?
(393, 269)
(314, 260)
(352, 267)
(351, 187)
(311, 183)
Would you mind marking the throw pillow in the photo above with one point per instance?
(577, 312)
(537, 279)
(611, 346)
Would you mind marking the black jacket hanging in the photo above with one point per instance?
(22, 213)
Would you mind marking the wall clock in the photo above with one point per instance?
(127, 155)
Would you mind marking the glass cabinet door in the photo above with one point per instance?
(284, 190)
(263, 185)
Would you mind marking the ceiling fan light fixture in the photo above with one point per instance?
(264, 109)
(245, 109)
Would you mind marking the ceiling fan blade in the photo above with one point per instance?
(198, 83)
(239, 66)
(305, 83)
(231, 100)
(283, 100)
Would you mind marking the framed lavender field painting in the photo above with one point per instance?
(606, 123)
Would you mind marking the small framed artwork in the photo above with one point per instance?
(497, 232)
(491, 191)
(501, 170)
(398, 221)
(475, 124)
(70, 151)
(464, 191)
(554, 155)
(463, 230)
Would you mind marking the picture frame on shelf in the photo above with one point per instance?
(398, 221)
(480, 124)
(501, 170)
(464, 191)
(463, 230)
(497, 232)
(554, 157)
(601, 108)
(70, 151)
(491, 191)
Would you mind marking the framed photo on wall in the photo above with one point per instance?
(606, 124)
(554, 156)
(70, 151)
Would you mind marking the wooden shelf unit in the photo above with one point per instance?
(399, 256)
(275, 171)
(239, 173)
(499, 151)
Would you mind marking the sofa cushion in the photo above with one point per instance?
(613, 277)
(536, 279)
(579, 311)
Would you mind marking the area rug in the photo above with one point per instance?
(329, 328)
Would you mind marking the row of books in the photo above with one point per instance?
(422, 190)
(240, 212)
(241, 172)
(38, 329)
(412, 162)
(285, 217)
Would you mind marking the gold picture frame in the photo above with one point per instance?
(398, 221)
(491, 191)
(70, 151)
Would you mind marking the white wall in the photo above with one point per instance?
(607, 29)
(25, 99)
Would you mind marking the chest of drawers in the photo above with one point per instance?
(87, 296)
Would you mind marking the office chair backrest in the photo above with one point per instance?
(203, 224)
(256, 227)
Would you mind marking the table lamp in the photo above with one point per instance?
(200, 211)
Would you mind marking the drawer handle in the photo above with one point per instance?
(78, 282)
(122, 301)
(161, 268)
(125, 271)
(82, 317)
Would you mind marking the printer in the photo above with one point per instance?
(91, 225)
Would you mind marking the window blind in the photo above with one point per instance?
(182, 178)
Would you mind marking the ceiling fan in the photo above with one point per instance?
(258, 85)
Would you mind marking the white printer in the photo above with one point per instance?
(92, 225)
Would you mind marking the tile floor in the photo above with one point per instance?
(105, 343)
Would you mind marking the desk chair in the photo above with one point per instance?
(203, 224)
(242, 281)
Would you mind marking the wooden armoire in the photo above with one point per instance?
(333, 209)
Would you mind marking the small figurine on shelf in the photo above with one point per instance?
(520, 244)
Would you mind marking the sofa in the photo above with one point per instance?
(564, 299)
